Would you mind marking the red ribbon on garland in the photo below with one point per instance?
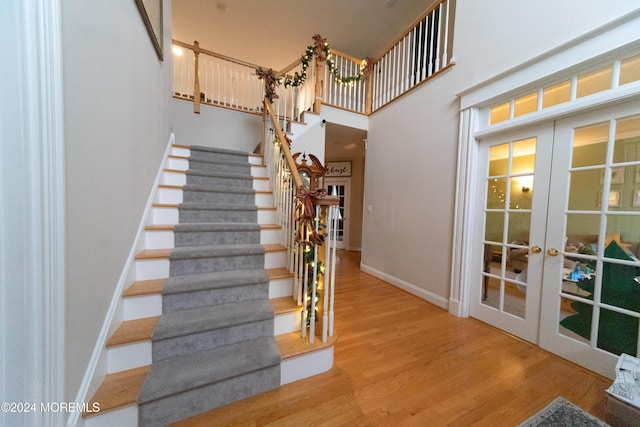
(305, 216)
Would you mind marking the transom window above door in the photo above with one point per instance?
(619, 72)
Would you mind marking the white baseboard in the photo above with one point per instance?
(406, 286)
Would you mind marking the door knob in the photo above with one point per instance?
(536, 249)
(553, 252)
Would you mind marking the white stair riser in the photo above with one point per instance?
(264, 199)
(266, 216)
(174, 178)
(255, 160)
(269, 236)
(177, 164)
(159, 239)
(149, 269)
(286, 323)
(165, 215)
(279, 288)
(306, 365)
(180, 151)
(275, 260)
(142, 306)
(129, 356)
(261, 185)
(125, 416)
(258, 171)
(169, 196)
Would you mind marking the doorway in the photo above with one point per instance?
(341, 188)
(558, 235)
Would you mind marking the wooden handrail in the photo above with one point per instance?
(215, 55)
(285, 145)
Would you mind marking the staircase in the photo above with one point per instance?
(200, 328)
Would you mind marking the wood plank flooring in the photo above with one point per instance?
(402, 361)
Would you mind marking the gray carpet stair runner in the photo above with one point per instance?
(214, 342)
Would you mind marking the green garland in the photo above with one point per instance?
(299, 78)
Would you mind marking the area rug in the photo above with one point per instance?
(562, 413)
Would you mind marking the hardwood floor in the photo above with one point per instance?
(402, 361)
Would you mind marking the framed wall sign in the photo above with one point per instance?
(151, 11)
(338, 168)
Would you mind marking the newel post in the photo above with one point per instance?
(320, 53)
(196, 81)
(368, 77)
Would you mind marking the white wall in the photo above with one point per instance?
(116, 101)
(411, 159)
(215, 127)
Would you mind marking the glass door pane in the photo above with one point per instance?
(340, 189)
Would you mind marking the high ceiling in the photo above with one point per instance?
(275, 33)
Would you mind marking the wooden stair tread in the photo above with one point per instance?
(284, 305)
(292, 345)
(173, 156)
(279, 273)
(173, 187)
(270, 227)
(264, 192)
(263, 178)
(274, 248)
(145, 287)
(154, 254)
(181, 146)
(165, 205)
(174, 170)
(133, 330)
(160, 227)
(118, 389)
(265, 208)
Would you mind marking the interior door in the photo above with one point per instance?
(591, 292)
(513, 181)
(341, 188)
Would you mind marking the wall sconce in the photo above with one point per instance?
(525, 183)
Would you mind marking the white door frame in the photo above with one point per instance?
(347, 208)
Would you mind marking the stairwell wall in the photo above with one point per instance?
(117, 124)
(411, 158)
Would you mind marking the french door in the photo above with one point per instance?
(591, 292)
(558, 232)
(340, 187)
(513, 179)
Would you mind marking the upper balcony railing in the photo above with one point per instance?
(321, 75)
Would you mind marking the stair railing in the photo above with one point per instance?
(424, 51)
(306, 221)
(207, 77)
(351, 96)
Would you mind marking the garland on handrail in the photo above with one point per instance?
(322, 51)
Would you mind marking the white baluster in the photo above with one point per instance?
(438, 37)
(445, 58)
(332, 283)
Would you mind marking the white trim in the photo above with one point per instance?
(617, 34)
(406, 286)
(32, 194)
(97, 367)
(463, 225)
